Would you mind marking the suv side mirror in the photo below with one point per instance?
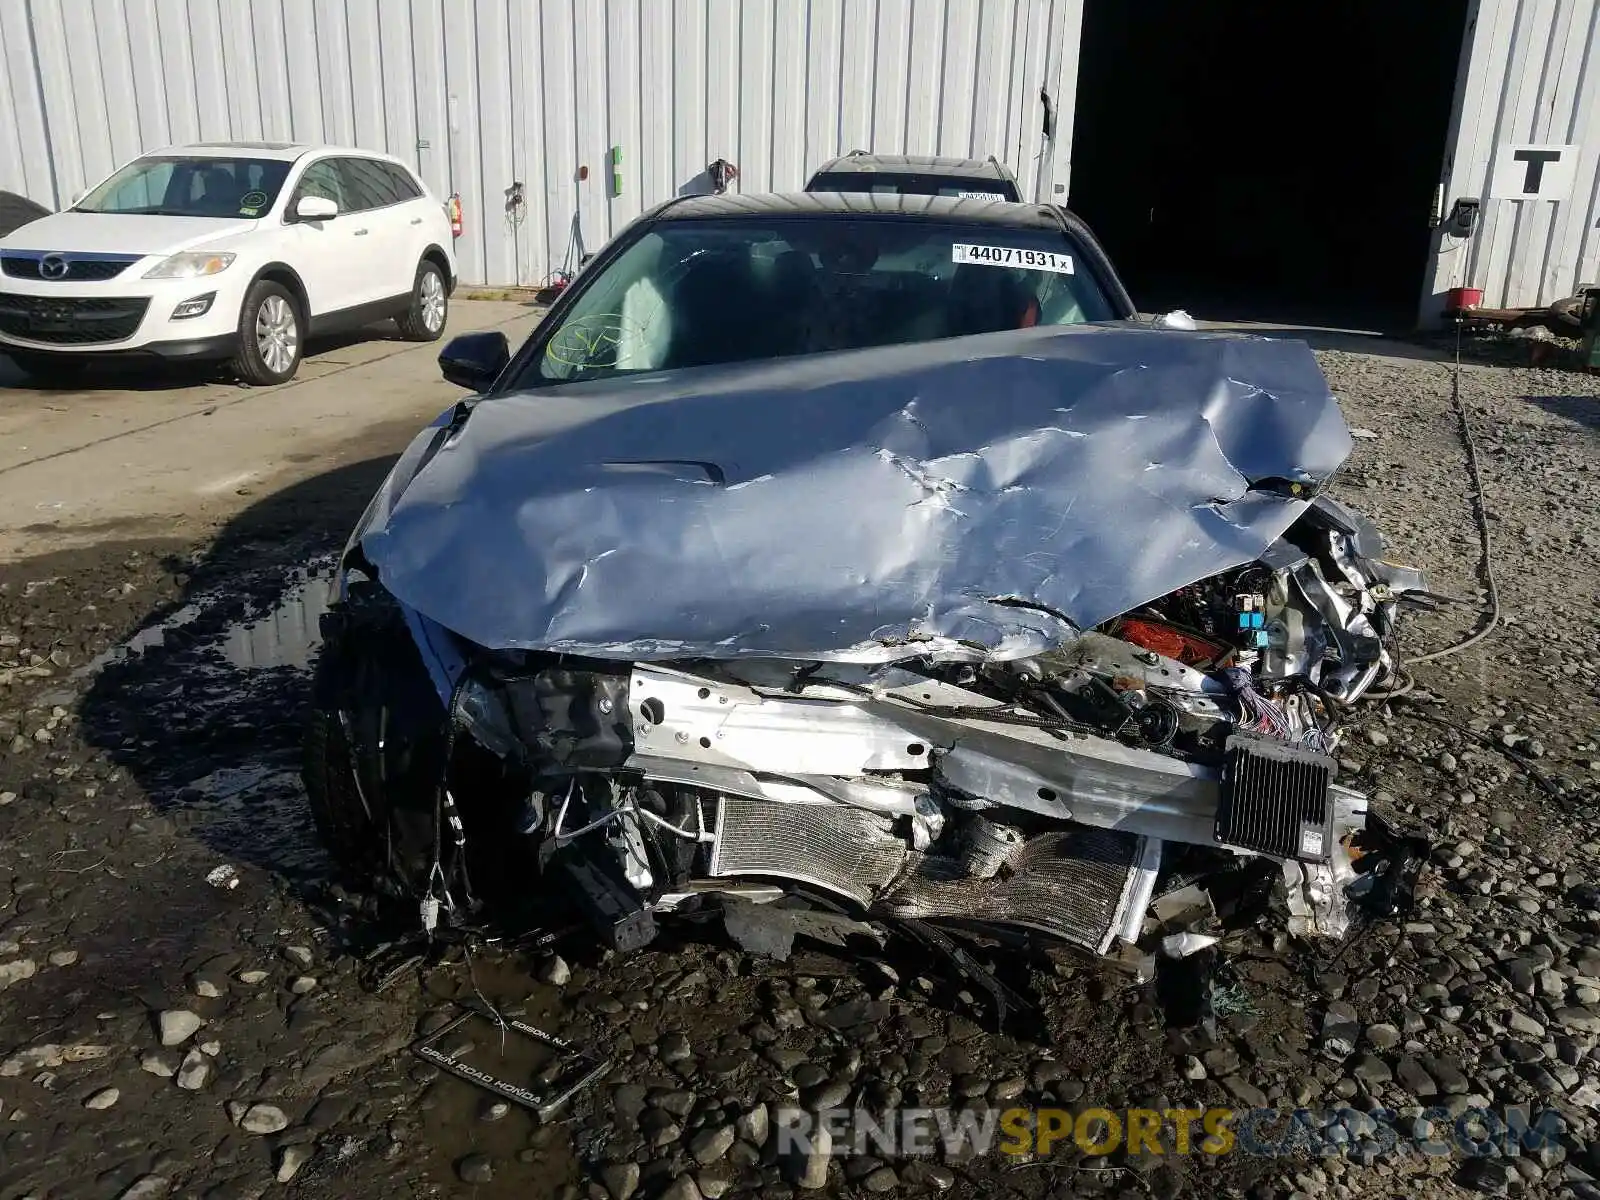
(475, 360)
(315, 208)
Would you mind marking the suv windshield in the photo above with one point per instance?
(190, 187)
(896, 183)
(700, 292)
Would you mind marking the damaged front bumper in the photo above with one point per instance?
(1105, 796)
(923, 800)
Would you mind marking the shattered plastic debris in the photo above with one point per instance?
(1231, 1000)
(770, 929)
(1004, 1001)
(225, 877)
(1181, 945)
(1390, 867)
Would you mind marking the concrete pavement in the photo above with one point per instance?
(156, 454)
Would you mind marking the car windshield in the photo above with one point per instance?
(190, 187)
(897, 183)
(700, 292)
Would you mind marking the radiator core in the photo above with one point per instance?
(1075, 885)
(845, 850)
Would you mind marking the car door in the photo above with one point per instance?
(419, 211)
(381, 211)
(329, 256)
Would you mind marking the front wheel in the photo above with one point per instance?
(270, 335)
(375, 747)
(424, 320)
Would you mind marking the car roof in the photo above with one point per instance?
(964, 168)
(975, 210)
(277, 151)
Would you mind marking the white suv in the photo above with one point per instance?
(232, 251)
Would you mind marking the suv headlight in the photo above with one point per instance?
(190, 265)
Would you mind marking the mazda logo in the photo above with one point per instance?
(53, 266)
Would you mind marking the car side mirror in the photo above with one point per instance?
(315, 208)
(475, 360)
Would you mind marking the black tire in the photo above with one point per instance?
(271, 335)
(374, 749)
(347, 831)
(49, 370)
(16, 211)
(425, 319)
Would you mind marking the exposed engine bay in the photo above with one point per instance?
(1124, 787)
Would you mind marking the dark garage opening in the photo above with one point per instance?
(1260, 161)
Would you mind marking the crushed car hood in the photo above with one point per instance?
(984, 496)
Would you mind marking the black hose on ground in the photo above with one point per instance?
(1481, 519)
(1481, 516)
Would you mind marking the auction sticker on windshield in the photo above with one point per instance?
(1012, 256)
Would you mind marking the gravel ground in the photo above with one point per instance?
(163, 1035)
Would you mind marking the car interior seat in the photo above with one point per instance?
(986, 299)
(219, 191)
(713, 320)
(792, 303)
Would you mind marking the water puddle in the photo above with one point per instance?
(257, 813)
(146, 639)
(286, 636)
(290, 634)
(213, 696)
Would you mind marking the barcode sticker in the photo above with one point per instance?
(1012, 256)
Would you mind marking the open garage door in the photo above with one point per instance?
(1250, 160)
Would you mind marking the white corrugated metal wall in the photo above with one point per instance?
(1531, 76)
(483, 94)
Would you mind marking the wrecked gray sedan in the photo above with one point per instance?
(1039, 633)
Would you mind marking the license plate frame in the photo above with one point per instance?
(580, 1068)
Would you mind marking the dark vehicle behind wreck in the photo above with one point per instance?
(794, 567)
(913, 175)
